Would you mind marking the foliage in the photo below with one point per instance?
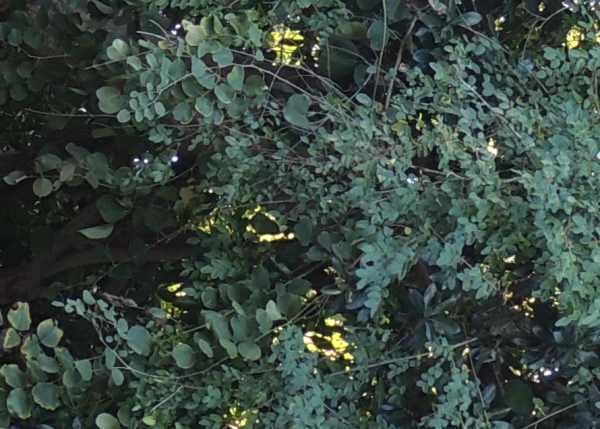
(299, 214)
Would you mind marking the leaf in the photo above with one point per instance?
(19, 403)
(42, 187)
(110, 210)
(107, 421)
(67, 172)
(223, 57)
(48, 364)
(204, 346)
(296, 110)
(19, 316)
(235, 78)
(46, 396)
(303, 231)
(218, 324)
(273, 311)
(264, 225)
(149, 420)
(519, 396)
(110, 100)
(97, 232)
(84, 367)
(10, 338)
(15, 177)
(183, 355)
(117, 376)
(249, 351)
(265, 323)
(13, 376)
(471, 18)
(376, 34)
(224, 93)
(48, 333)
(118, 51)
(229, 347)
(123, 116)
(140, 340)
(204, 106)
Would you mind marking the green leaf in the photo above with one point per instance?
(97, 232)
(273, 311)
(203, 345)
(42, 187)
(19, 317)
(46, 396)
(224, 93)
(296, 110)
(183, 355)
(110, 99)
(48, 333)
(249, 351)
(265, 323)
(223, 57)
(14, 177)
(13, 376)
(218, 324)
(264, 224)
(117, 376)
(19, 403)
(471, 18)
(107, 421)
(118, 51)
(519, 397)
(183, 112)
(149, 420)
(123, 116)
(235, 78)
(84, 367)
(10, 338)
(140, 340)
(67, 172)
(303, 231)
(229, 347)
(48, 364)
(110, 210)
(204, 106)
(376, 33)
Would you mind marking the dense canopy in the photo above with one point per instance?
(299, 214)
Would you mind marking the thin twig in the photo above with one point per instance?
(555, 413)
(388, 97)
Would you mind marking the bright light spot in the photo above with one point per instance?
(136, 160)
(82, 109)
(412, 179)
(491, 148)
(174, 158)
(511, 259)
(177, 26)
(146, 161)
(598, 156)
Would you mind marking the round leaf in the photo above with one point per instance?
(48, 333)
(14, 177)
(107, 421)
(46, 396)
(19, 403)
(110, 210)
(109, 99)
(10, 338)
(249, 351)
(296, 110)
(19, 317)
(139, 339)
(183, 355)
(42, 187)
